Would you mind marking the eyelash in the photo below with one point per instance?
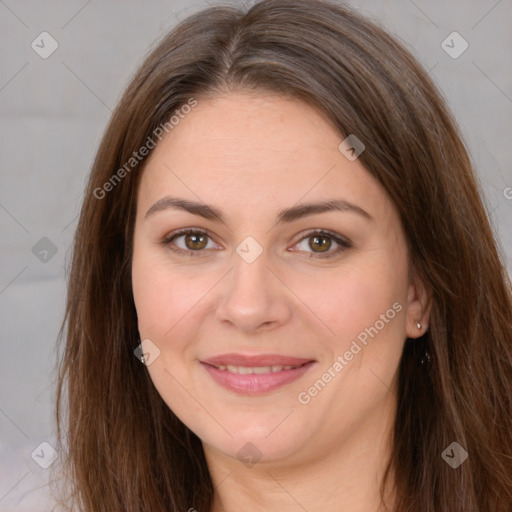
(343, 244)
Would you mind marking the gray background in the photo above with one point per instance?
(54, 111)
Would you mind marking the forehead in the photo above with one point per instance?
(255, 150)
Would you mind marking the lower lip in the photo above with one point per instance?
(255, 383)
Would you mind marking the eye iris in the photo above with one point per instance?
(195, 241)
(316, 243)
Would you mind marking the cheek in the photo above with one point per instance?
(353, 297)
(364, 306)
(162, 297)
(172, 303)
(168, 302)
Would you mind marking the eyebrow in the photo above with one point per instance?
(284, 216)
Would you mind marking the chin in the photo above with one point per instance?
(256, 439)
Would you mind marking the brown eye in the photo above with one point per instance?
(190, 242)
(196, 241)
(323, 244)
(320, 243)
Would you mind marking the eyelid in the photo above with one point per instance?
(168, 240)
(342, 242)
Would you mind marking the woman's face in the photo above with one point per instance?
(269, 341)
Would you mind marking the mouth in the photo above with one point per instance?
(255, 374)
(247, 370)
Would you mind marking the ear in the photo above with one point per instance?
(418, 309)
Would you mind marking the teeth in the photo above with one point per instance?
(246, 370)
(258, 369)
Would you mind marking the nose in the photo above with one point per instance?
(253, 297)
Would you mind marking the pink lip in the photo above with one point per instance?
(255, 383)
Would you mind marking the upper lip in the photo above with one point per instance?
(256, 360)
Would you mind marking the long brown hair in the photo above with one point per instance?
(122, 447)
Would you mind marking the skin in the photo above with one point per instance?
(250, 156)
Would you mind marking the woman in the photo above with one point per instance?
(282, 224)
